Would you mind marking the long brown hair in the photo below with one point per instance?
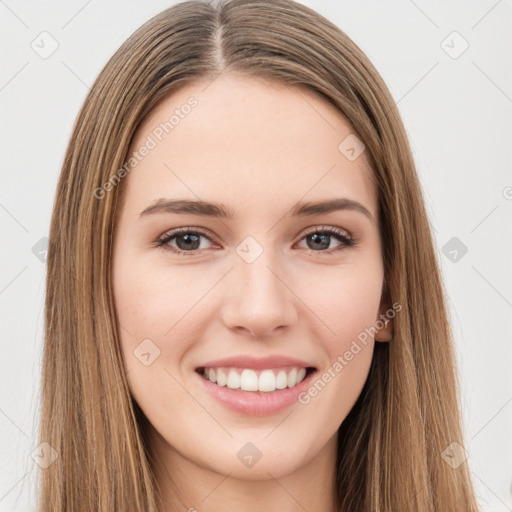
(392, 442)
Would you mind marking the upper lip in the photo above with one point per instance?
(246, 361)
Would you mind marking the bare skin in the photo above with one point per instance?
(257, 148)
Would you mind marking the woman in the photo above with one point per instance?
(244, 308)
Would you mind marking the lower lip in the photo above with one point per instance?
(256, 403)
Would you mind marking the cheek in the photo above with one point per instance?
(347, 305)
(151, 306)
(156, 303)
(347, 301)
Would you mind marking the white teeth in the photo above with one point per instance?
(249, 380)
(292, 378)
(281, 380)
(233, 379)
(267, 381)
(301, 374)
(222, 378)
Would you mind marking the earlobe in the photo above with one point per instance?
(384, 325)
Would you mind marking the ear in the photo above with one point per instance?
(384, 323)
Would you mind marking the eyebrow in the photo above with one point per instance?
(218, 210)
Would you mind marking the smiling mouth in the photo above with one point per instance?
(248, 379)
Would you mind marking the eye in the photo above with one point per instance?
(187, 241)
(319, 239)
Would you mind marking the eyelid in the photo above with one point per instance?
(332, 229)
(189, 229)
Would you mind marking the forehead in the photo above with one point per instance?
(247, 143)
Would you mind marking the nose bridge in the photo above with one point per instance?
(258, 298)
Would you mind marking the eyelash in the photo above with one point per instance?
(339, 234)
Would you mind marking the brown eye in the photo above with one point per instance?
(186, 241)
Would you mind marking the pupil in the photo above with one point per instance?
(315, 238)
(188, 237)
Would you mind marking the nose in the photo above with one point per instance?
(258, 298)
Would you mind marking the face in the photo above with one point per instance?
(273, 286)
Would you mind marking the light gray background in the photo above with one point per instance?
(458, 115)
